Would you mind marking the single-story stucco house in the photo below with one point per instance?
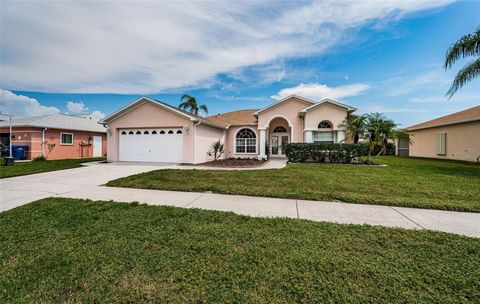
(149, 130)
(455, 136)
(57, 136)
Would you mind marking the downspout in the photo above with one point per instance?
(43, 142)
(303, 127)
(195, 142)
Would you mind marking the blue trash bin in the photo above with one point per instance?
(19, 152)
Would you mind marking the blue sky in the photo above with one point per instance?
(376, 56)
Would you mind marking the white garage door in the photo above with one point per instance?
(151, 145)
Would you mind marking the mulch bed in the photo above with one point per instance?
(238, 163)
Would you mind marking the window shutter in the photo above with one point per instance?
(441, 143)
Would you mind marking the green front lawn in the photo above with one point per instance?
(76, 251)
(24, 168)
(409, 182)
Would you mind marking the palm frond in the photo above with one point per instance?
(204, 108)
(183, 106)
(465, 75)
(185, 96)
(468, 45)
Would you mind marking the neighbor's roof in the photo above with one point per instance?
(234, 118)
(472, 114)
(57, 121)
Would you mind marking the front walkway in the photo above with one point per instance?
(86, 183)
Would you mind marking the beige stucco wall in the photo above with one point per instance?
(230, 142)
(205, 136)
(148, 115)
(288, 110)
(335, 114)
(463, 142)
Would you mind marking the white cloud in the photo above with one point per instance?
(401, 85)
(19, 105)
(149, 47)
(318, 91)
(76, 107)
(465, 96)
(383, 109)
(97, 115)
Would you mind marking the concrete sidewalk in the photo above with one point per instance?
(411, 218)
(86, 183)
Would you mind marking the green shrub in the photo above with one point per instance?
(322, 152)
(390, 149)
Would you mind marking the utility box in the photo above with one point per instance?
(8, 161)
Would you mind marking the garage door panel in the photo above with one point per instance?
(151, 145)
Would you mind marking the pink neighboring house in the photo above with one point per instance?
(57, 136)
(149, 130)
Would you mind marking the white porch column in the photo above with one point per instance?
(340, 136)
(263, 139)
(309, 136)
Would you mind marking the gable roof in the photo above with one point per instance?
(57, 121)
(234, 118)
(136, 103)
(306, 100)
(327, 100)
(468, 115)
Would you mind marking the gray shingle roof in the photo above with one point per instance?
(57, 121)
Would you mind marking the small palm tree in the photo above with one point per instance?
(468, 45)
(388, 130)
(355, 125)
(216, 150)
(374, 127)
(190, 105)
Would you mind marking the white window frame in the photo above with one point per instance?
(245, 143)
(61, 139)
(320, 132)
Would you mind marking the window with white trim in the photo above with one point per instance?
(280, 129)
(325, 125)
(66, 138)
(323, 137)
(246, 141)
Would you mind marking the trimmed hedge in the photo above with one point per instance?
(323, 152)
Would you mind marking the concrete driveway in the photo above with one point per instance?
(86, 182)
(16, 191)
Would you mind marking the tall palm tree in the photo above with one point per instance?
(355, 125)
(190, 105)
(468, 45)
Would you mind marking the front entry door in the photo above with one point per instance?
(279, 143)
